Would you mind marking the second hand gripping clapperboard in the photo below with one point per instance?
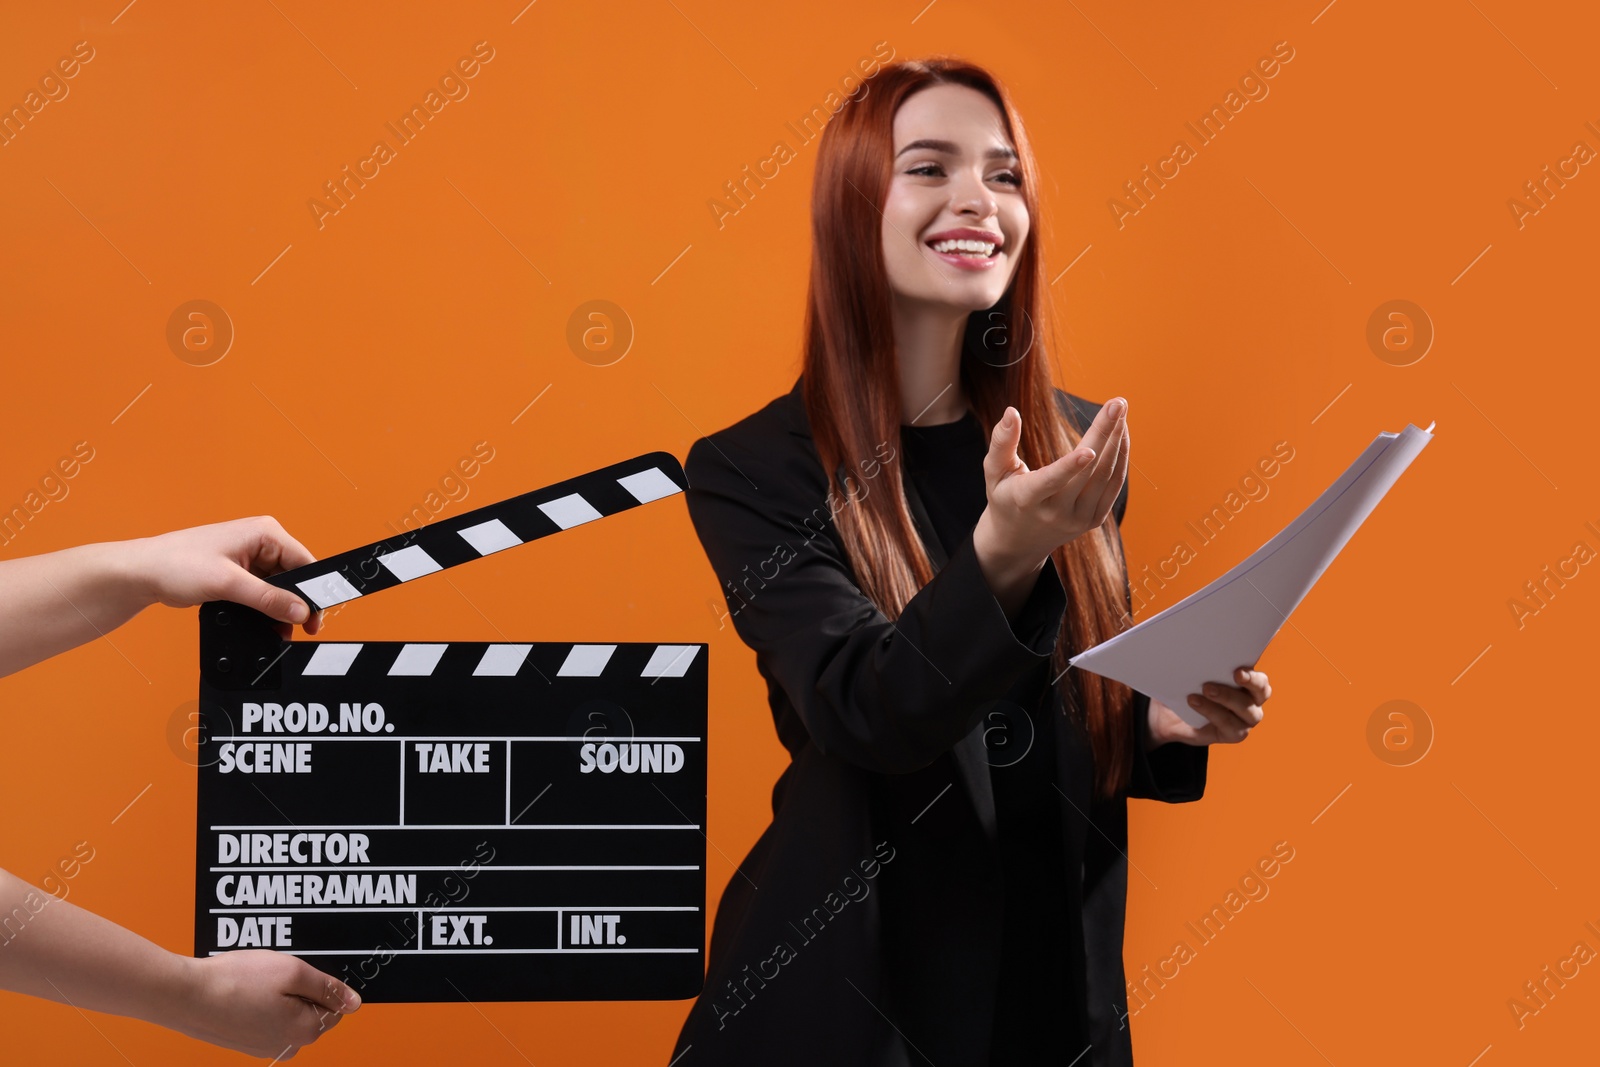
(439, 821)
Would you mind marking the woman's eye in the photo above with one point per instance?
(932, 170)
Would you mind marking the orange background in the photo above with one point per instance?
(373, 353)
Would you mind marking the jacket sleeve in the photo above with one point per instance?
(888, 696)
(1173, 772)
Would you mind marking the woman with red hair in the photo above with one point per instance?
(914, 540)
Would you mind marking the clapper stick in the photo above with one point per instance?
(486, 530)
(237, 644)
(435, 820)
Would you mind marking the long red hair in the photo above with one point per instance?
(852, 397)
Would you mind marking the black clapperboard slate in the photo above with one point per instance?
(439, 821)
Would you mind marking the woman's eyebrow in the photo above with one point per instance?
(951, 148)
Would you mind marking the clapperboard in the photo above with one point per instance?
(438, 821)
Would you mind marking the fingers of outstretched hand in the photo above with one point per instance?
(1086, 480)
(1002, 458)
(1117, 477)
(1105, 437)
(1086, 483)
(1103, 431)
(1064, 477)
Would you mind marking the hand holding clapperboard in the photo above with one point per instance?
(439, 821)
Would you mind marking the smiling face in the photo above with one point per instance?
(954, 219)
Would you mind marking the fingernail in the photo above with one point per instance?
(1194, 700)
(298, 612)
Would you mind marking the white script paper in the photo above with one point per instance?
(1229, 623)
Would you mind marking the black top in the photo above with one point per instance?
(884, 848)
(1039, 1014)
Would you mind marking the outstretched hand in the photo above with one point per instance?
(1032, 511)
(226, 561)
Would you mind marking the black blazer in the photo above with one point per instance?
(867, 708)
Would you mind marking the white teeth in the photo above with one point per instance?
(982, 248)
